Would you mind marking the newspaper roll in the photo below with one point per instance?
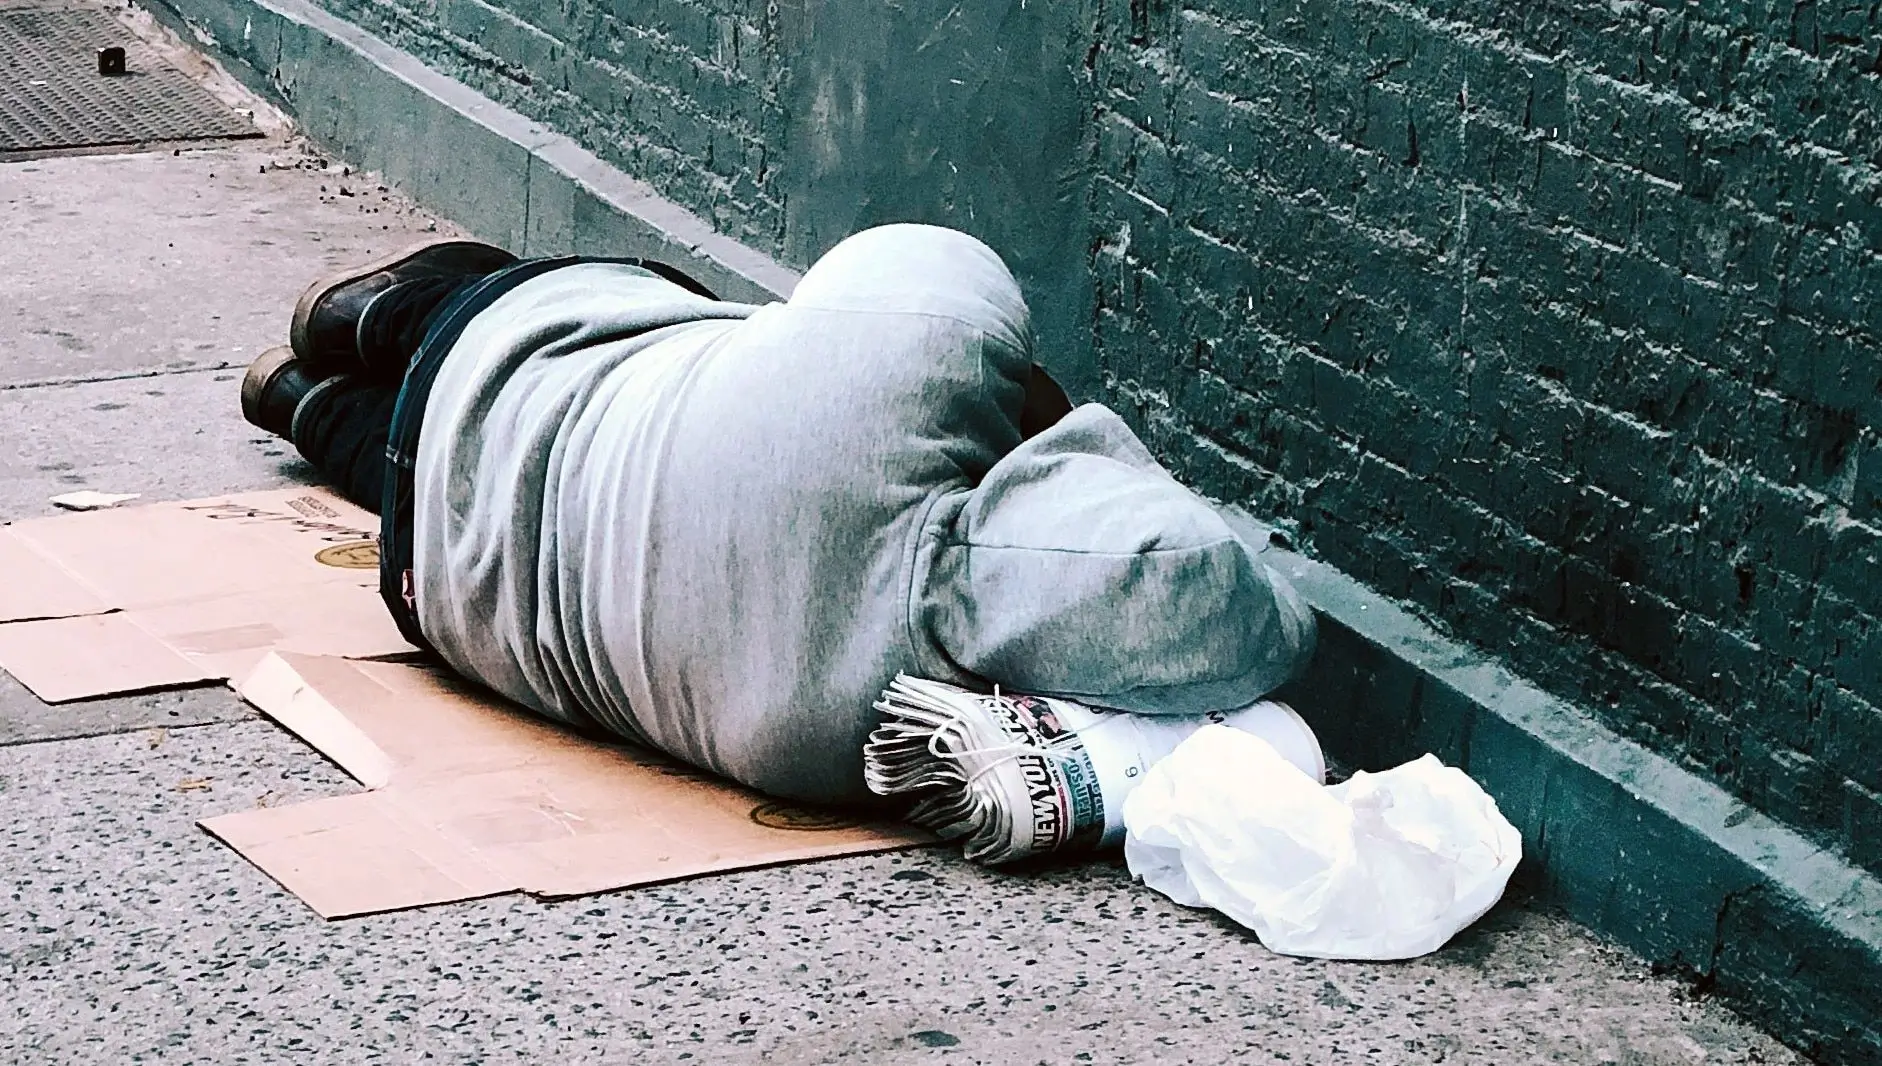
(1014, 777)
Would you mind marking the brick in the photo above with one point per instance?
(1624, 124)
(1573, 188)
(1852, 736)
(1862, 825)
(1248, 67)
(1853, 563)
(1817, 282)
(691, 26)
(1822, 102)
(1133, 159)
(1866, 478)
(1853, 653)
(1789, 784)
(515, 42)
(1136, 224)
(1796, 619)
(1735, 675)
(1132, 85)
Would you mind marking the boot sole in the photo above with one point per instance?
(261, 373)
(299, 332)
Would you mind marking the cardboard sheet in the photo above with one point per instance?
(471, 796)
(173, 593)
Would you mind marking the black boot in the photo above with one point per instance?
(273, 387)
(394, 323)
(327, 333)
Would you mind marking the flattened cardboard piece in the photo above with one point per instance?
(196, 591)
(473, 796)
(119, 657)
(36, 586)
(351, 855)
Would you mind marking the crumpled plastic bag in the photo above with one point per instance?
(1384, 866)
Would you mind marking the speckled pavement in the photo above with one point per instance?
(136, 285)
(132, 936)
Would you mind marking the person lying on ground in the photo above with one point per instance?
(721, 529)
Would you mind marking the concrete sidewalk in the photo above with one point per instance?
(137, 286)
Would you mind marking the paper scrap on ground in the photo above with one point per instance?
(1383, 866)
(471, 796)
(89, 500)
(131, 598)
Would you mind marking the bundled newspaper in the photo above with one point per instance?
(1018, 776)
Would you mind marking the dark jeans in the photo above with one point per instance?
(344, 428)
(360, 430)
(341, 430)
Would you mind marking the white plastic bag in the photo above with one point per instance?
(1383, 866)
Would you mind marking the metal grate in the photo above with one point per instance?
(52, 96)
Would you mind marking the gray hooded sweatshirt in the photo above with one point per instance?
(721, 529)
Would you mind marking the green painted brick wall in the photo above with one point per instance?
(683, 93)
(1558, 320)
